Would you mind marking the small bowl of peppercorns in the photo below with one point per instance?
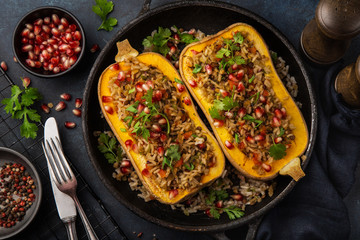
(20, 192)
(49, 42)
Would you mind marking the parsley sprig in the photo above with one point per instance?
(252, 119)
(19, 106)
(109, 147)
(227, 53)
(172, 155)
(102, 9)
(277, 151)
(225, 104)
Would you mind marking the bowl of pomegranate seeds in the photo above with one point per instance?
(48, 42)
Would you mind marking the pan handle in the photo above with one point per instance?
(145, 8)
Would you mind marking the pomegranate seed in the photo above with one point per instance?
(266, 167)
(107, 99)
(201, 146)
(72, 27)
(278, 113)
(70, 124)
(46, 28)
(187, 101)
(30, 62)
(56, 70)
(237, 197)
(24, 40)
(240, 74)
(15, 60)
(60, 106)
(31, 36)
(177, 38)
(234, 66)
(160, 151)
(38, 64)
(65, 96)
(207, 212)
(55, 61)
(135, 148)
(51, 67)
(36, 50)
(74, 44)
(262, 99)
(240, 87)
(25, 82)
(232, 77)
(29, 26)
(77, 112)
(276, 122)
(138, 87)
(38, 21)
(25, 33)
(140, 107)
(27, 48)
(163, 137)
(125, 170)
(45, 54)
(219, 204)
(242, 112)
(180, 87)
(145, 87)
(158, 95)
(145, 172)
(61, 28)
(108, 109)
(229, 145)
(192, 31)
(70, 52)
(218, 123)
(150, 83)
(173, 193)
(4, 66)
(259, 112)
(194, 52)
(38, 39)
(147, 110)
(64, 22)
(229, 114)
(63, 47)
(172, 50)
(250, 139)
(94, 48)
(224, 93)
(192, 83)
(115, 67)
(68, 37)
(125, 163)
(72, 59)
(162, 121)
(156, 128)
(55, 18)
(154, 135)
(55, 32)
(45, 108)
(283, 110)
(47, 20)
(128, 143)
(259, 138)
(278, 139)
(37, 30)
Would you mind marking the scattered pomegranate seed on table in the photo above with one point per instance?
(65, 96)
(4, 66)
(26, 82)
(77, 112)
(45, 108)
(94, 48)
(78, 102)
(60, 106)
(69, 124)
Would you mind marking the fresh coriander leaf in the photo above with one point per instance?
(189, 166)
(28, 129)
(197, 68)
(238, 38)
(211, 197)
(172, 154)
(237, 139)
(239, 60)
(123, 129)
(102, 9)
(108, 146)
(282, 131)
(221, 194)
(229, 103)
(148, 41)
(146, 133)
(187, 38)
(274, 56)
(166, 162)
(214, 113)
(194, 136)
(252, 119)
(222, 52)
(128, 118)
(148, 97)
(12, 104)
(108, 24)
(277, 151)
(132, 109)
(219, 105)
(178, 81)
(132, 90)
(257, 97)
(30, 95)
(233, 212)
(164, 50)
(214, 213)
(252, 79)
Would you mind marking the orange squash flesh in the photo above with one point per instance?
(139, 161)
(236, 157)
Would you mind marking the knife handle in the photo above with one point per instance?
(70, 228)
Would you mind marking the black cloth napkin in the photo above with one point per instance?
(315, 208)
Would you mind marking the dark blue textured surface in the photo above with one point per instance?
(289, 17)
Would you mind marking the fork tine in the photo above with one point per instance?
(51, 167)
(58, 161)
(63, 158)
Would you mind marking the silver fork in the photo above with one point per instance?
(65, 179)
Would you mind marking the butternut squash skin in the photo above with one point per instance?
(235, 155)
(138, 161)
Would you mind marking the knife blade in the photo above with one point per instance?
(64, 203)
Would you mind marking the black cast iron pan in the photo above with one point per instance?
(210, 17)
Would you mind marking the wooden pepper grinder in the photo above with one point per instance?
(326, 37)
(347, 83)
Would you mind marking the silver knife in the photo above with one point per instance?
(64, 203)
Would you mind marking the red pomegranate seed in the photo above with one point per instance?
(192, 31)
(145, 172)
(172, 50)
(60, 106)
(128, 143)
(219, 204)
(107, 99)
(242, 112)
(37, 30)
(250, 139)
(38, 39)
(177, 38)
(115, 67)
(63, 47)
(55, 61)
(70, 124)
(158, 95)
(108, 109)
(154, 135)
(45, 108)
(38, 21)
(145, 87)
(56, 70)
(163, 137)
(218, 123)
(140, 107)
(46, 28)
(162, 121)
(266, 167)
(72, 27)
(259, 138)
(29, 26)
(173, 193)
(72, 59)
(192, 83)
(38, 64)
(25, 33)
(64, 22)
(66, 64)
(187, 101)
(55, 32)
(283, 110)
(276, 122)
(229, 114)
(36, 50)
(15, 60)
(125, 170)
(234, 66)
(240, 74)
(24, 40)
(240, 87)
(45, 54)
(224, 93)
(259, 112)
(229, 145)
(208, 213)
(68, 37)
(180, 87)
(4, 66)
(237, 197)
(30, 62)
(65, 96)
(194, 52)
(121, 76)
(262, 99)
(78, 102)
(138, 87)
(160, 151)
(74, 44)
(31, 36)
(150, 83)
(46, 20)
(201, 146)
(135, 148)
(125, 163)
(278, 139)
(156, 128)
(77, 112)
(55, 18)
(61, 28)
(51, 67)
(278, 113)
(27, 48)
(147, 110)
(25, 82)
(94, 48)
(208, 69)
(232, 77)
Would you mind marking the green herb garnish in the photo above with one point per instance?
(172, 154)
(277, 151)
(123, 129)
(237, 138)
(189, 166)
(102, 9)
(282, 131)
(252, 79)
(159, 41)
(274, 56)
(132, 90)
(186, 37)
(252, 119)
(224, 104)
(109, 147)
(227, 53)
(178, 81)
(197, 68)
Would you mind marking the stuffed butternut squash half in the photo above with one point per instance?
(255, 120)
(152, 115)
